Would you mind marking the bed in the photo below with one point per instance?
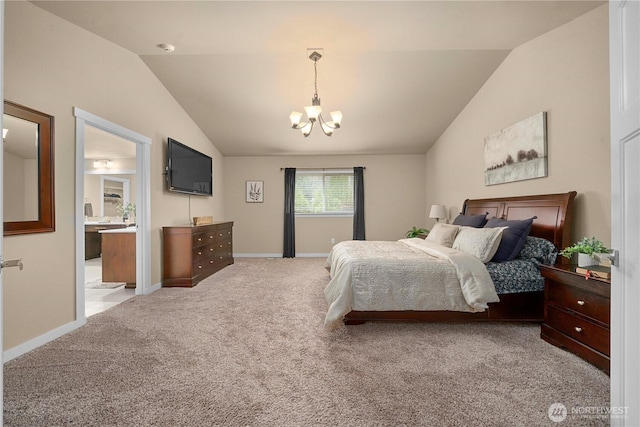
(553, 220)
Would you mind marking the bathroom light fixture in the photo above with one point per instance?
(438, 212)
(102, 164)
(5, 131)
(314, 111)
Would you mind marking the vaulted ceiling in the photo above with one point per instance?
(400, 72)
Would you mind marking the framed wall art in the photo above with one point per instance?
(255, 192)
(517, 152)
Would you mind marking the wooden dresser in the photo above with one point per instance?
(577, 313)
(191, 253)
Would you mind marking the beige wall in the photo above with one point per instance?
(394, 202)
(565, 73)
(52, 66)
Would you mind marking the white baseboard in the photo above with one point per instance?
(306, 255)
(153, 288)
(34, 343)
(257, 255)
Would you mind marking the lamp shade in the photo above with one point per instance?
(313, 111)
(336, 116)
(295, 118)
(438, 211)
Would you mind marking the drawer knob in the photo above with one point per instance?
(220, 234)
(211, 237)
(210, 249)
(199, 266)
(199, 239)
(199, 253)
(578, 329)
(580, 302)
(211, 262)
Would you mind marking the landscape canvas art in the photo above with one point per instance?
(517, 152)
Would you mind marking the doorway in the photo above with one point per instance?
(109, 206)
(112, 166)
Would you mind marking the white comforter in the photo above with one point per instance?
(410, 274)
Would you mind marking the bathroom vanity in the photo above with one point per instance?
(93, 238)
(119, 255)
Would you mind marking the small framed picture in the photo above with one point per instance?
(255, 191)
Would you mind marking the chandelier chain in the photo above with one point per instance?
(315, 68)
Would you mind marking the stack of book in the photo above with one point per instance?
(595, 271)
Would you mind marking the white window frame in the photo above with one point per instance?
(321, 171)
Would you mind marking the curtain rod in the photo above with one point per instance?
(326, 169)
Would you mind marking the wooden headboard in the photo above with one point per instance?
(554, 213)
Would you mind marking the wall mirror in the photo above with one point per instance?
(28, 170)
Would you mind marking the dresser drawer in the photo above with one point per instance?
(223, 233)
(586, 303)
(202, 252)
(205, 238)
(203, 265)
(589, 333)
(222, 254)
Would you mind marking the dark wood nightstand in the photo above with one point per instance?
(577, 313)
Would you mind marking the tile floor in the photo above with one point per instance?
(98, 300)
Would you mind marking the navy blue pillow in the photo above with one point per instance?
(513, 238)
(476, 221)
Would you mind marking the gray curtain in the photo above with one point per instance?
(289, 247)
(358, 203)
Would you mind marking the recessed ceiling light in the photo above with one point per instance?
(167, 47)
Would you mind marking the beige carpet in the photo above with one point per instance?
(246, 347)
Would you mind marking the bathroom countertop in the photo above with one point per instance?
(119, 230)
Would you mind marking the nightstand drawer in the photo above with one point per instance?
(586, 303)
(589, 333)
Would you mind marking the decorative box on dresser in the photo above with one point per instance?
(577, 313)
(192, 253)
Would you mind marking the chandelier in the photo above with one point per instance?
(314, 111)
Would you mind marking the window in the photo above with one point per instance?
(324, 192)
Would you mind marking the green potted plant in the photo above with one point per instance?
(414, 232)
(585, 249)
(126, 211)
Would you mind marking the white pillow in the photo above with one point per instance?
(443, 234)
(482, 243)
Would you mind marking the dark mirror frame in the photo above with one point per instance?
(46, 210)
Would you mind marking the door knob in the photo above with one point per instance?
(12, 263)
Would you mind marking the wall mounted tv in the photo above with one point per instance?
(188, 171)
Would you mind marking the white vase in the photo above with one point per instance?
(585, 260)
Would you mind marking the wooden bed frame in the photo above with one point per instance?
(554, 220)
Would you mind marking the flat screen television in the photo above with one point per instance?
(188, 171)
